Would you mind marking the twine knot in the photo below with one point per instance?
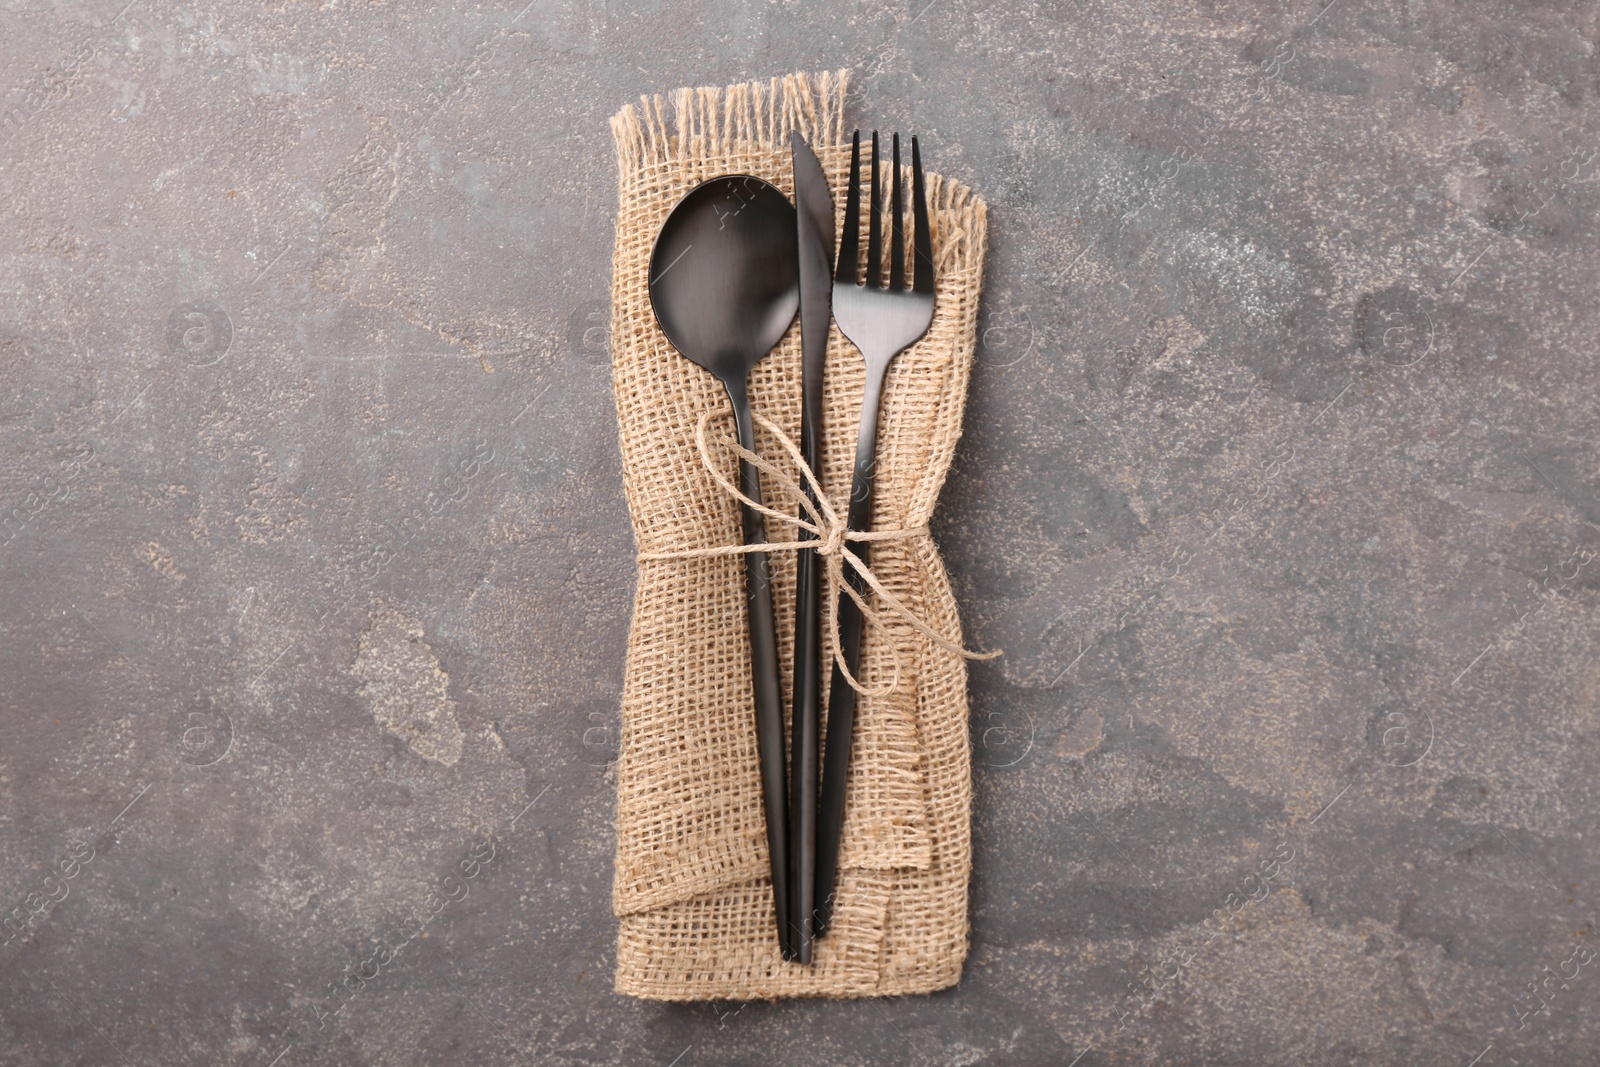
(833, 543)
(830, 535)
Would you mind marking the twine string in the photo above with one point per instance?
(829, 536)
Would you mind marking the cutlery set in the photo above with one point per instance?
(732, 265)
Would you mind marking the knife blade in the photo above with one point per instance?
(814, 214)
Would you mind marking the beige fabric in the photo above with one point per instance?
(692, 888)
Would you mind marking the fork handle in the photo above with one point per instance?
(764, 676)
(842, 698)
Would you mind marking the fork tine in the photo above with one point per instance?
(897, 229)
(850, 239)
(922, 235)
(875, 224)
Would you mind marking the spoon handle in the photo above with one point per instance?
(764, 676)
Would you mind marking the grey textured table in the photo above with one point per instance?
(1278, 490)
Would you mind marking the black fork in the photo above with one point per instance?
(881, 321)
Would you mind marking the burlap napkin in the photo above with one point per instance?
(692, 888)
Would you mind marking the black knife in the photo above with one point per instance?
(814, 210)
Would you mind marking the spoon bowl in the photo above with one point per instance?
(724, 274)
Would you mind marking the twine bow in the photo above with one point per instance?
(829, 534)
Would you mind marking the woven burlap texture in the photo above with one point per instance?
(692, 889)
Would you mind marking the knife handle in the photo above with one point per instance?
(806, 743)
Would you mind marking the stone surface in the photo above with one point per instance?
(1278, 491)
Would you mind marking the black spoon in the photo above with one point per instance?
(724, 283)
